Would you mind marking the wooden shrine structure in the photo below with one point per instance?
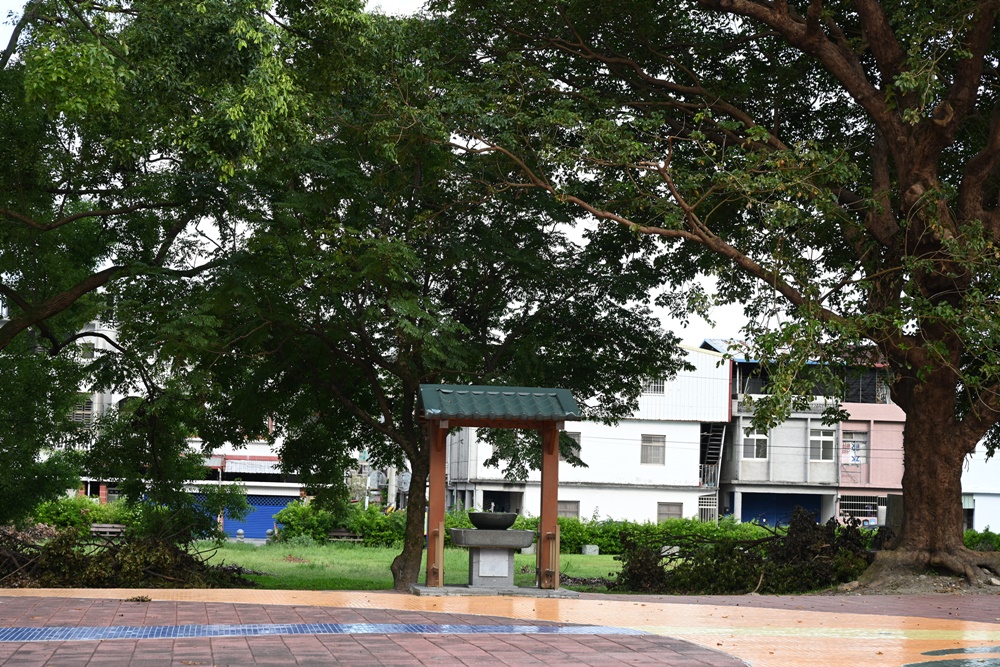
(543, 410)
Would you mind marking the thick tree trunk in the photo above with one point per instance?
(933, 520)
(932, 477)
(406, 566)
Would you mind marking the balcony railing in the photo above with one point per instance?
(708, 475)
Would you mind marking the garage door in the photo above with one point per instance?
(261, 517)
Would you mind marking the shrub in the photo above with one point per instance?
(378, 528)
(986, 540)
(67, 512)
(302, 519)
(74, 558)
(81, 511)
(731, 558)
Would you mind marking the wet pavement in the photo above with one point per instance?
(77, 627)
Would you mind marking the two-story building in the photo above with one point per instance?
(660, 463)
(842, 469)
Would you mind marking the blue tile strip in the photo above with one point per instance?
(50, 634)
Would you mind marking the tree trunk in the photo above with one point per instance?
(406, 566)
(933, 519)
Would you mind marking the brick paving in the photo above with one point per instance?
(706, 631)
(401, 649)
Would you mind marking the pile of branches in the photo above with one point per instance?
(74, 558)
(803, 557)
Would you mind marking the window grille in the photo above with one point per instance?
(83, 413)
(654, 386)
(654, 449)
(864, 508)
(708, 508)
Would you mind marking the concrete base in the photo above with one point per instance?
(514, 591)
(491, 554)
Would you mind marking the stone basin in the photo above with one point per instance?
(491, 539)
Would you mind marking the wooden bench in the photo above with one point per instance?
(343, 535)
(107, 529)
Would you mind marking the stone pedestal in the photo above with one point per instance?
(491, 554)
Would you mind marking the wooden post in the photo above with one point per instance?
(435, 504)
(548, 526)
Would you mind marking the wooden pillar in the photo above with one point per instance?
(435, 503)
(548, 526)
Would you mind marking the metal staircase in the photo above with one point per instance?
(713, 435)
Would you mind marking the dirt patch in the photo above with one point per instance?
(920, 584)
(294, 559)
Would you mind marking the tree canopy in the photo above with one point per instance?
(126, 131)
(373, 268)
(834, 164)
(123, 126)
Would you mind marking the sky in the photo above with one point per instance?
(729, 319)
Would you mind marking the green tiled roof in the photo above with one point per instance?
(456, 401)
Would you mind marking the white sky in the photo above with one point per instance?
(729, 319)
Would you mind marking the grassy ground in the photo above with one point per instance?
(353, 567)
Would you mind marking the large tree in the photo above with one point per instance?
(122, 123)
(371, 267)
(835, 164)
(126, 129)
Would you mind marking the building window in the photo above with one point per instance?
(654, 449)
(755, 445)
(569, 509)
(654, 386)
(863, 508)
(575, 437)
(666, 511)
(83, 413)
(821, 443)
(855, 447)
(86, 350)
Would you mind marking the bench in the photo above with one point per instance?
(343, 535)
(107, 529)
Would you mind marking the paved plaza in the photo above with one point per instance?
(77, 627)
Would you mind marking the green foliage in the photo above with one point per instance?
(301, 541)
(67, 511)
(304, 520)
(75, 559)
(729, 560)
(37, 436)
(378, 528)
(986, 540)
(841, 189)
(81, 511)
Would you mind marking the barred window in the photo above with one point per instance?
(654, 386)
(654, 449)
(83, 413)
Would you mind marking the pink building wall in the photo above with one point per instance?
(881, 467)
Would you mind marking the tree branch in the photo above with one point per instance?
(43, 227)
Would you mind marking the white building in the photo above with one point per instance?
(980, 491)
(660, 463)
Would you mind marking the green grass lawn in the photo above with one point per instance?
(353, 567)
